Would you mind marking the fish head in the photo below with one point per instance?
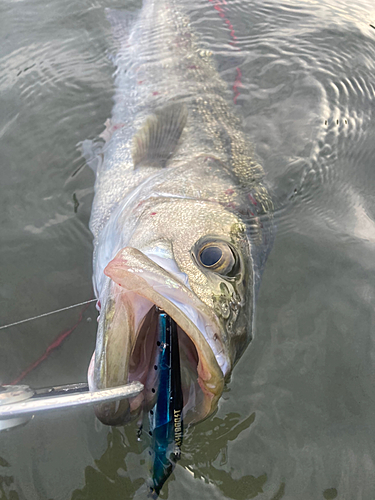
(205, 248)
(192, 259)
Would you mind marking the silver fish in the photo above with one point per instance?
(181, 218)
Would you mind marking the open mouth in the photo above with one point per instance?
(127, 346)
(144, 365)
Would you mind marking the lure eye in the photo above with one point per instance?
(217, 256)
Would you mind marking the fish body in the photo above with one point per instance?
(181, 218)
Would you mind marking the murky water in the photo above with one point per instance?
(297, 420)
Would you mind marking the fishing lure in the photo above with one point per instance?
(166, 416)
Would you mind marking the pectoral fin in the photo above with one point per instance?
(157, 140)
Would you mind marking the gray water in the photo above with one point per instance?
(297, 420)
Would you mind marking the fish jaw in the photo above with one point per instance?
(136, 284)
(120, 318)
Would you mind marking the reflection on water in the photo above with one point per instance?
(7, 491)
(109, 477)
(120, 471)
(297, 421)
(206, 457)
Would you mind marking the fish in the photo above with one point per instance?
(182, 217)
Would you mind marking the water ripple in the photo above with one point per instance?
(308, 99)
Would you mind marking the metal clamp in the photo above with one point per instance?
(19, 403)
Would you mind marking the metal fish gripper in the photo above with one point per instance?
(19, 403)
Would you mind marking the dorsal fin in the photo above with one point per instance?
(157, 140)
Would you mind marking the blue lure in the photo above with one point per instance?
(166, 416)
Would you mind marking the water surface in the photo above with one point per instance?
(297, 420)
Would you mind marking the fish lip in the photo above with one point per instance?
(133, 271)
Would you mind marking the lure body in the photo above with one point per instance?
(166, 416)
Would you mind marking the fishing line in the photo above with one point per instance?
(3, 327)
(218, 6)
(61, 337)
(56, 343)
(46, 314)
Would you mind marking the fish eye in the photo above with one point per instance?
(217, 256)
(210, 255)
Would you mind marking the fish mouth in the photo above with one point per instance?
(128, 346)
